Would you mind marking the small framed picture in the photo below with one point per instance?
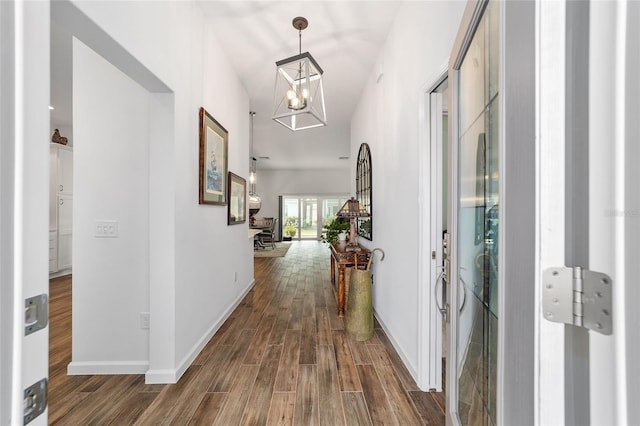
(237, 206)
(214, 140)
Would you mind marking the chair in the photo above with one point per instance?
(267, 236)
(261, 224)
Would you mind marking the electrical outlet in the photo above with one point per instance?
(144, 320)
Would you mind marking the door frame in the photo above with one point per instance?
(550, 157)
(572, 386)
(613, 176)
(24, 212)
(430, 170)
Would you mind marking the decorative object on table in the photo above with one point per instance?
(358, 321)
(352, 210)
(299, 94)
(57, 138)
(363, 190)
(214, 140)
(334, 229)
(236, 207)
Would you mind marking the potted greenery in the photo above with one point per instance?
(289, 232)
(333, 229)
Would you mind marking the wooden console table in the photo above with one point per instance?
(345, 259)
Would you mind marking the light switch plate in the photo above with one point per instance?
(106, 229)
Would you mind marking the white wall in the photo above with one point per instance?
(111, 275)
(208, 252)
(192, 256)
(418, 45)
(273, 183)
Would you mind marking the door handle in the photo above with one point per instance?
(441, 278)
(464, 294)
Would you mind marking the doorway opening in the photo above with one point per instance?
(303, 217)
(94, 233)
(433, 225)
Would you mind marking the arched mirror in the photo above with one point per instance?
(363, 191)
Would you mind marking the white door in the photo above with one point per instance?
(477, 179)
(589, 204)
(24, 157)
(433, 214)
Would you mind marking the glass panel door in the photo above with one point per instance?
(309, 218)
(290, 217)
(307, 215)
(477, 239)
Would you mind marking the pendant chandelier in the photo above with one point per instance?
(299, 95)
(254, 199)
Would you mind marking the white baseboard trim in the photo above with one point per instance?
(81, 368)
(167, 376)
(410, 367)
(163, 377)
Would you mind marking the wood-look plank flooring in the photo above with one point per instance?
(281, 358)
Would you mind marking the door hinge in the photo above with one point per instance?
(579, 297)
(35, 400)
(36, 313)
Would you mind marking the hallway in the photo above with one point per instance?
(281, 358)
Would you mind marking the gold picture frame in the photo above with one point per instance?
(214, 141)
(237, 205)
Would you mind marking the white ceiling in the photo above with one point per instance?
(344, 37)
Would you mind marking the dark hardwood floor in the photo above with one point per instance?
(281, 358)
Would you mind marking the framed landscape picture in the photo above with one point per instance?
(236, 208)
(214, 141)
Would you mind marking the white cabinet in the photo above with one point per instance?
(60, 208)
(53, 251)
(65, 226)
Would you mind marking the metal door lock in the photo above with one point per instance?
(36, 313)
(35, 400)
